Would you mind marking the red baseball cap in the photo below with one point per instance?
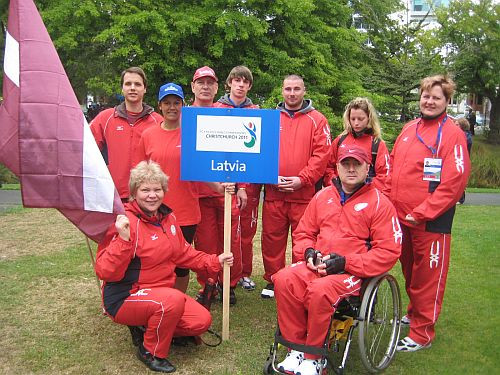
(353, 151)
(204, 71)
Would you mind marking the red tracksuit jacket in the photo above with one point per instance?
(118, 140)
(305, 146)
(148, 260)
(364, 229)
(431, 203)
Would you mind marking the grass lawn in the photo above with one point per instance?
(10, 187)
(52, 322)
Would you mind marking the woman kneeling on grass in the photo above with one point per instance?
(137, 259)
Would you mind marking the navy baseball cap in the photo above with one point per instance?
(170, 89)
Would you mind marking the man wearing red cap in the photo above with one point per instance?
(117, 131)
(305, 147)
(353, 230)
(210, 231)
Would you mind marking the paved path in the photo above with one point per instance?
(11, 198)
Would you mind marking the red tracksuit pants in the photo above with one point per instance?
(210, 234)
(165, 312)
(306, 301)
(425, 258)
(248, 221)
(277, 218)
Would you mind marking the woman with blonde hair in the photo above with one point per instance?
(137, 262)
(429, 171)
(361, 128)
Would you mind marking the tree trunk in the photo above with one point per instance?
(494, 133)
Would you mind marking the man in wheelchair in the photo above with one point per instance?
(349, 231)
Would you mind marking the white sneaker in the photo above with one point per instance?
(405, 320)
(247, 283)
(310, 367)
(268, 291)
(292, 360)
(408, 345)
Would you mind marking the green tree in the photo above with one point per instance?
(399, 54)
(471, 30)
(96, 40)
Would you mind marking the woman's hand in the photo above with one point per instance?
(230, 187)
(122, 225)
(221, 187)
(226, 258)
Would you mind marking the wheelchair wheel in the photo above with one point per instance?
(380, 324)
(268, 367)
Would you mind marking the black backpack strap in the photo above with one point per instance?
(341, 139)
(375, 144)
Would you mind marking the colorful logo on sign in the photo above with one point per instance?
(251, 128)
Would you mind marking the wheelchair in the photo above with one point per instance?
(377, 314)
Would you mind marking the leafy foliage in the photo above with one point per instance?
(471, 29)
(96, 40)
(399, 54)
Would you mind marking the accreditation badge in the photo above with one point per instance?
(432, 169)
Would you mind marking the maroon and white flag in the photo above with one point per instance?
(44, 136)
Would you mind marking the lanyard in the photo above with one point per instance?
(438, 138)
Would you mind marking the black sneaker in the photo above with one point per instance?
(137, 333)
(232, 294)
(154, 363)
(268, 291)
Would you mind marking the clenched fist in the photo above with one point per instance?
(122, 225)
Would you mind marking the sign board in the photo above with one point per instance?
(230, 145)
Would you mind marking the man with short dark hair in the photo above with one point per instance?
(118, 130)
(305, 146)
(238, 83)
(349, 231)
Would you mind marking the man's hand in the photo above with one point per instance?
(289, 184)
(242, 199)
(311, 257)
(226, 258)
(410, 219)
(334, 264)
(122, 225)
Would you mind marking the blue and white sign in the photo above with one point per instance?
(230, 145)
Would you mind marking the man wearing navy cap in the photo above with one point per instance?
(353, 228)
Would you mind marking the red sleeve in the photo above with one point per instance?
(382, 166)
(385, 239)
(307, 231)
(454, 176)
(97, 126)
(113, 256)
(316, 165)
(331, 167)
(195, 260)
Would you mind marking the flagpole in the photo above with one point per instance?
(226, 275)
(92, 260)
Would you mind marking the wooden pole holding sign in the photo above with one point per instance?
(230, 145)
(226, 276)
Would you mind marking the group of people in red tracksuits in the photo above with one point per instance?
(348, 202)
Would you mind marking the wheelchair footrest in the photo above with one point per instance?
(301, 347)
